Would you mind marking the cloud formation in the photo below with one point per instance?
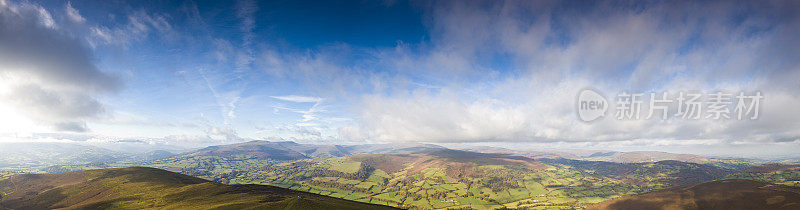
(138, 26)
(73, 14)
(554, 50)
(46, 72)
(484, 71)
(298, 99)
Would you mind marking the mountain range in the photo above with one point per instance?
(415, 175)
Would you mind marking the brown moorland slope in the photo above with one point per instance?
(727, 194)
(150, 188)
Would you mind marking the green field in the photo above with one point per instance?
(452, 179)
(442, 181)
(790, 178)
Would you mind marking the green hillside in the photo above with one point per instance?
(772, 173)
(441, 178)
(32, 156)
(6, 175)
(150, 188)
(425, 176)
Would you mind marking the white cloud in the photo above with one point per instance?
(298, 99)
(139, 25)
(612, 47)
(245, 11)
(310, 114)
(226, 101)
(49, 74)
(73, 14)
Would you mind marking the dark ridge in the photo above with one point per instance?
(730, 194)
(142, 187)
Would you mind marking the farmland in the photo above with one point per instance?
(5, 175)
(427, 176)
(451, 179)
(772, 173)
(424, 176)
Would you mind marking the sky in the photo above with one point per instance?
(497, 73)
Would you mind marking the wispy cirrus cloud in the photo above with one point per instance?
(245, 11)
(139, 25)
(298, 98)
(73, 14)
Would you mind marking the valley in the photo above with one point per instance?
(435, 177)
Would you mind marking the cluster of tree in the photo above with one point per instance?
(330, 173)
(585, 189)
(498, 184)
(437, 195)
(338, 185)
(202, 171)
(299, 173)
(461, 208)
(407, 181)
(364, 171)
(386, 200)
(226, 178)
(416, 196)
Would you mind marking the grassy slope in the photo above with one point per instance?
(140, 187)
(772, 173)
(447, 178)
(721, 194)
(440, 178)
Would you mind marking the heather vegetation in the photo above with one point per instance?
(150, 188)
(720, 194)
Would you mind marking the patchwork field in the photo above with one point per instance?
(459, 179)
(439, 178)
(773, 173)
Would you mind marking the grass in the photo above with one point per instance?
(346, 167)
(142, 188)
(426, 181)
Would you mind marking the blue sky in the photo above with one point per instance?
(478, 72)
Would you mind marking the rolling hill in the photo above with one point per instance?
(774, 167)
(431, 176)
(213, 160)
(597, 155)
(27, 156)
(430, 179)
(644, 156)
(722, 194)
(772, 173)
(288, 150)
(443, 178)
(150, 188)
(658, 174)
